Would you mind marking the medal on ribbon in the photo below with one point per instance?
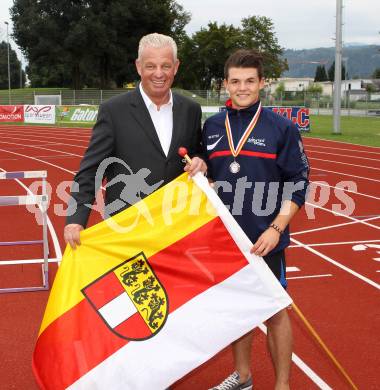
(235, 166)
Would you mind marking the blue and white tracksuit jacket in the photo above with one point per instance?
(273, 167)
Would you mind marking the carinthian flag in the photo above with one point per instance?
(152, 293)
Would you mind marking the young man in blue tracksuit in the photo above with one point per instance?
(257, 163)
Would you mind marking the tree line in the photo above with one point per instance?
(93, 43)
(322, 75)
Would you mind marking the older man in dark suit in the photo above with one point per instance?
(136, 138)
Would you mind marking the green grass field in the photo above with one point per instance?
(357, 130)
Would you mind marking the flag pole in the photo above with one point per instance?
(324, 346)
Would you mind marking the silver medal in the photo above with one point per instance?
(234, 167)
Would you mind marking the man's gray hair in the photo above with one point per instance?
(158, 41)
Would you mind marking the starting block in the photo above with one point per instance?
(42, 202)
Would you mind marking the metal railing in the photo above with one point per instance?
(359, 103)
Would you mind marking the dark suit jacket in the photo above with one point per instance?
(125, 130)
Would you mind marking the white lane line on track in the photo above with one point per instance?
(338, 150)
(49, 143)
(36, 159)
(45, 137)
(319, 207)
(336, 243)
(53, 234)
(334, 226)
(41, 147)
(337, 264)
(365, 216)
(345, 190)
(342, 142)
(312, 168)
(78, 155)
(292, 269)
(304, 367)
(51, 134)
(343, 163)
(378, 270)
(48, 130)
(55, 156)
(309, 276)
(362, 221)
(310, 249)
(345, 155)
(345, 174)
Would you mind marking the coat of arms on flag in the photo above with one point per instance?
(130, 299)
(162, 299)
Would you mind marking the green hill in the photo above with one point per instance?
(361, 60)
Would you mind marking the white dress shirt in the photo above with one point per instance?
(162, 119)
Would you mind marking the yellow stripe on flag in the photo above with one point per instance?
(147, 226)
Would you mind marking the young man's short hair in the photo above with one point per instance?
(244, 58)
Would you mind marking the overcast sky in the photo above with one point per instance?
(298, 24)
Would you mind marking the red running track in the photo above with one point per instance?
(333, 263)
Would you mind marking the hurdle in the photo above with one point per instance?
(42, 202)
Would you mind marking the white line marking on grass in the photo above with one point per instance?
(345, 174)
(337, 264)
(343, 163)
(336, 243)
(304, 367)
(309, 276)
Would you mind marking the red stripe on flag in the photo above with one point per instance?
(134, 327)
(250, 153)
(69, 347)
(104, 290)
(79, 340)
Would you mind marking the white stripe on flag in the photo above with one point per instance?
(192, 335)
(118, 310)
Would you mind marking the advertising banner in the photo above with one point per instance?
(298, 115)
(39, 114)
(11, 113)
(75, 114)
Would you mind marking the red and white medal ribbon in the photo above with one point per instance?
(235, 166)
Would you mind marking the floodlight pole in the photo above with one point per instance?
(338, 69)
(9, 68)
